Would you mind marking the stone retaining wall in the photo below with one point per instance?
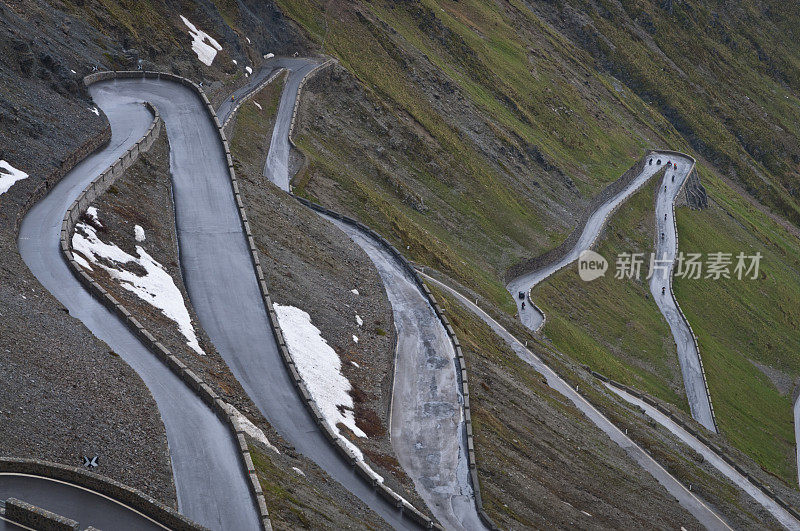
(462, 369)
(88, 147)
(129, 496)
(314, 71)
(24, 513)
(557, 253)
(251, 94)
(100, 184)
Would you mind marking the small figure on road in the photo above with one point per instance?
(673, 177)
(651, 162)
(523, 305)
(663, 290)
(665, 187)
(658, 162)
(665, 217)
(662, 236)
(231, 97)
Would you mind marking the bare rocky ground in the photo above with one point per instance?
(51, 368)
(312, 265)
(539, 458)
(298, 493)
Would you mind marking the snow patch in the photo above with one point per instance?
(356, 365)
(249, 428)
(81, 261)
(156, 287)
(235, 61)
(94, 110)
(257, 105)
(91, 213)
(248, 40)
(299, 471)
(248, 70)
(269, 56)
(355, 338)
(354, 291)
(359, 320)
(9, 175)
(138, 232)
(319, 366)
(203, 45)
(73, 71)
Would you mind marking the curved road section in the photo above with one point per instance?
(666, 253)
(704, 514)
(220, 279)
(531, 316)
(76, 503)
(691, 366)
(427, 424)
(210, 483)
(427, 421)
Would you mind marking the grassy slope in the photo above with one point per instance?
(709, 77)
(613, 325)
(738, 321)
(528, 106)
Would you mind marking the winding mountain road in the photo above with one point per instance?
(212, 491)
(77, 503)
(427, 422)
(530, 316)
(704, 514)
(666, 253)
(688, 356)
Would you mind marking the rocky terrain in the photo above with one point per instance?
(297, 491)
(472, 135)
(312, 265)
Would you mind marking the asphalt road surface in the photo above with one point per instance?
(666, 253)
(694, 382)
(427, 421)
(84, 506)
(427, 430)
(780, 514)
(221, 282)
(276, 168)
(530, 316)
(704, 514)
(210, 483)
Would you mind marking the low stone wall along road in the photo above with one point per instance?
(214, 490)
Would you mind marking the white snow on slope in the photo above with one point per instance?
(354, 291)
(355, 338)
(156, 287)
(9, 175)
(91, 213)
(257, 105)
(138, 232)
(248, 70)
(203, 45)
(321, 370)
(359, 320)
(269, 56)
(94, 110)
(319, 366)
(249, 428)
